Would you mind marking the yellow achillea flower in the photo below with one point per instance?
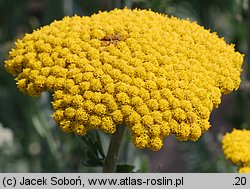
(158, 75)
(244, 170)
(236, 147)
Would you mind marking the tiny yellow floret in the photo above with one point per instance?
(244, 170)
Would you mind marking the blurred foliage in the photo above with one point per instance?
(39, 146)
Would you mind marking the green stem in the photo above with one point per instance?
(113, 151)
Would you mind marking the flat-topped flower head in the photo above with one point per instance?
(156, 74)
(236, 147)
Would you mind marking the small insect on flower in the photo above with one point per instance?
(112, 39)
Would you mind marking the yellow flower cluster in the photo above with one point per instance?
(158, 75)
(236, 147)
(244, 170)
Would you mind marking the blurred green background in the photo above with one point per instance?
(30, 141)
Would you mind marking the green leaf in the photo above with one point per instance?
(93, 150)
(124, 168)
